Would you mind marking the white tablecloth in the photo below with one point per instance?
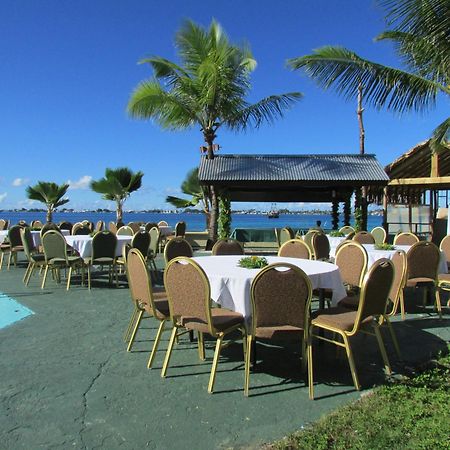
(230, 284)
(35, 234)
(166, 231)
(3, 234)
(83, 244)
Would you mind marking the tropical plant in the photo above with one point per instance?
(49, 193)
(117, 185)
(207, 89)
(191, 186)
(420, 33)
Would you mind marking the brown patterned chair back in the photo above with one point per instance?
(347, 229)
(135, 226)
(139, 281)
(125, 230)
(379, 235)
(405, 239)
(162, 223)
(423, 260)
(112, 227)
(187, 289)
(177, 247)
(295, 248)
(100, 225)
(445, 248)
(351, 258)
(280, 295)
(400, 267)
(364, 237)
(3, 224)
(308, 238)
(227, 247)
(141, 241)
(375, 290)
(180, 229)
(321, 246)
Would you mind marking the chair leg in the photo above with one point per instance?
(310, 368)
(201, 346)
(304, 348)
(156, 344)
(30, 274)
(26, 272)
(351, 362)
(136, 326)
(68, 278)
(89, 276)
(247, 364)
(126, 335)
(9, 260)
(387, 366)
(212, 377)
(169, 351)
(402, 304)
(438, 302)
(45, 277)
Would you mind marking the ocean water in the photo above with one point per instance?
(194, 222)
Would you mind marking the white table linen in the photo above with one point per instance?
(83, 244)
(3, 234)
(230, 284)
(165, 230)
(35, 234)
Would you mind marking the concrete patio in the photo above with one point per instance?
(68, 382)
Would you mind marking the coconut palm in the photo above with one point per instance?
(420, 33)
(117, 185)
(207, 89)
(49, 193)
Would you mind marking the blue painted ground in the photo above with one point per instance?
(11, 311)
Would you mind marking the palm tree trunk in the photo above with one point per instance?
(119, 212)
(209, 136)
(49, 215)
(362, 136)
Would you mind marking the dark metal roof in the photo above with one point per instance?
(287, 178)
(302, 169)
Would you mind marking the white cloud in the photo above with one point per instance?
(171, 191)
(20, 181)
(3, 196)
(82, 183)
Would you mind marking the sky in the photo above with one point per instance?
(68, 69)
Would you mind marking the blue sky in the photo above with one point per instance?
(68, 68)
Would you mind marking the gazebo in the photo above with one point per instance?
(292, 178)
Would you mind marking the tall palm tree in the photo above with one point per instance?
(191, 186)
(207, 89)
(420, 33)
(117, 185)
(49, 193)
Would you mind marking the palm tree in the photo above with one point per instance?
(420, 33)
(207, 90)
(117, 185)
(191, 186)
(49, 193)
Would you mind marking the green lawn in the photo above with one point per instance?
(413, 413)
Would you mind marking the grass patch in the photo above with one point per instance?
(409, 414)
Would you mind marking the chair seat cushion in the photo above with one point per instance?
(17, 248)
(102, 260)
(337, 318)
(159, 292)
(350, 302)
(222, 319)
(279, 332)
(38, 257)
(162, 308)
(413, 282)
(5, 247)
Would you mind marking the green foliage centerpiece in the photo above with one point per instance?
(336, 233)
(384, 247)
(253, 262)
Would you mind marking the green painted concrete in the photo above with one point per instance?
(68, 382)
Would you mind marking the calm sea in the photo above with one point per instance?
(194, 222)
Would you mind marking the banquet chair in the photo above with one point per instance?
(379, 235)
(56, 257)
(308, 240)
(36, 224)
(3, 224)
(284, 235)
(144, 300)
(346, 229)
(295, 248)
(162, 223)
(189, 295)
(444, 247)
(15, 244)
(66, 226)
(112, 227)
(135, 226)
(321, 246)
(352, 260)
(152, 253)
(100, 225)
(177, 247)
(364, 237)
(405, 238)
(80, 229)
(47, 227)
(346, 324)
(423, 266)
(125, 230)
(150, 225)
(227, 247)
(141, 241)
(280, 299)
(34, 258)
(180, 229)
(104, 245)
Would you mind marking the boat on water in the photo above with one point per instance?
(273, 213)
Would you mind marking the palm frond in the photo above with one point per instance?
(47, 192)
(440, 140)
(167, 70)
(179, 202)
(344, 70)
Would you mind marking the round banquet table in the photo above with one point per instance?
(165, 230)
(230, 284)
(83, 244)
(35, 234)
